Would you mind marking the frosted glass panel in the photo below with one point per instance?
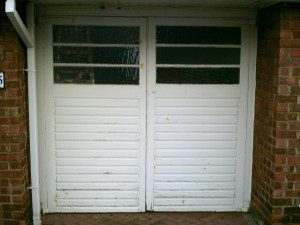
(81, 75)
(198, 55)
(95, 34)
(197, 75)
(96, 55)
(188, 55)
(198, 35)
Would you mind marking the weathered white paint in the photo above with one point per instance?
(219, 140)
(192, 132)
(95, 138)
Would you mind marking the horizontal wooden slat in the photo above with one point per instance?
(95, 153)
(94, 128)
(105, 178)
(195, 208)
(85, 102)
(194, 202)
(195, 153)
(97, 144)
(196, 136)
(196, 127)
(96, 119)
(83, 194)
(194, 161)
(64, 136)
(195, 144)
(194, 177)
(98, 186)
(196, 110)
(195, 169)
(216, 119)
(97, 111)
(98, 202)
(97, 162)
(196, 102)
(100, 170)
(195, 194)
(194, 185)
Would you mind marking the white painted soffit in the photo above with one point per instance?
(169, 3)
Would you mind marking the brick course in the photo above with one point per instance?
(276, 157)
(14, 145)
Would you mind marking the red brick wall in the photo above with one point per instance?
(15, 203)
(276, 156)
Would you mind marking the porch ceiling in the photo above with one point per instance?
(172, 3)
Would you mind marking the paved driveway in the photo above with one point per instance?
(149, 218)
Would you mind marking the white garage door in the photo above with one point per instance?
(97, 77)
(197, 85)
(96, 115)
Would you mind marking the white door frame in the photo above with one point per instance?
(243, 172)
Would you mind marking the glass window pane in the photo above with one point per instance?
(190, 55)
(95, 34)
(96, 75)
(198, 35)
(197, 75)
(109, 55)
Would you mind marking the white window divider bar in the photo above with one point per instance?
(94, 65)
(197, 46)
(95, 45)
(196, 66)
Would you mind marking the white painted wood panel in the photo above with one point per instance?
(96, 170)
(97, 162)
(98, 202)
(98, 186)
(104, 178)
(194, 202)
(70, 119)
(194, 186)
(194, 177)
(95, 128)
(195, 169)
(96, 111)
(63, 136)
(107, 102)
(96, 138)
(195, 102)
(195, 162)
(197, 127)
(196, 111)
(194, 135)
(195, 194)
(188, 119)
(97, 194)
(195, 153)
(96, 153)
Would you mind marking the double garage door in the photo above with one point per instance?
(145, 114)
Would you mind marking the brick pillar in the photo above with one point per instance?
(276, 156)
(15, 200)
